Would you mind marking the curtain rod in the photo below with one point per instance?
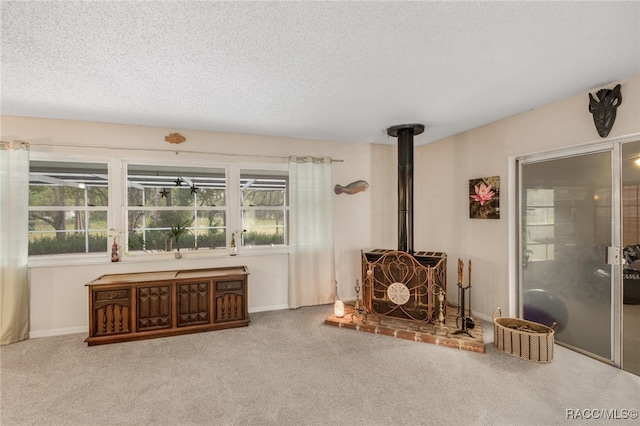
(278, 157)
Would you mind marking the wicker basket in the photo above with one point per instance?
(523, 339)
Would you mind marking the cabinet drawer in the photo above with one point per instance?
(111, 295)
(229, 285)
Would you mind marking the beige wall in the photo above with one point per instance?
(58, 296)
(443, 169)
(362, 221)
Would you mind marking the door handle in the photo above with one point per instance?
(613, 256)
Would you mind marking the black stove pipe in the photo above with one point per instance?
(405, 134)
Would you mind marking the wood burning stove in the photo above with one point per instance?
(403, 283)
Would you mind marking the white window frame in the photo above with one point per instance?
(284, 208)
(53, 155)
(126, 208)
(116, 161)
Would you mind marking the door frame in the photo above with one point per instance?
(612, 145)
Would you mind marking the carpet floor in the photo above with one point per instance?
(289, 368)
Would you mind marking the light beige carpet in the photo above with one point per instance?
(288, 368)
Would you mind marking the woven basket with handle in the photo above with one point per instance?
(522, 338)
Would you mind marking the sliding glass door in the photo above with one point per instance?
(631, 256)
(567, 252)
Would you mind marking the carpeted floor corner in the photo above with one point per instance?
(289, 368)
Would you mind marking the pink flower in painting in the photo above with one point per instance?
(483, 193)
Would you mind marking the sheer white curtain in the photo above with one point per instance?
(14, 241)
(311, 251)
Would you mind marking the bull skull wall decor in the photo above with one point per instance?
(604, 109)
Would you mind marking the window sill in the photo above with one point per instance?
(104, 259)
(66, 260)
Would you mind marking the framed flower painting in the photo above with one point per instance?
(484, 198)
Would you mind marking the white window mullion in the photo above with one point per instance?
(117, 223)
(234, 221)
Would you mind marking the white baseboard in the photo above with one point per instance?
(268, 308)
(58, 332)
(474, 314)
(483, 317)
(85, 329)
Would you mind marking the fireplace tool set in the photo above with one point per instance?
(439, 324)
(358, 308)
(466, 322)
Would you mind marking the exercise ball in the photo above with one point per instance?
(544, 308)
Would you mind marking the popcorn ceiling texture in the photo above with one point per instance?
(323, 70)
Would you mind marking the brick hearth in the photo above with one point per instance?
(407, 330)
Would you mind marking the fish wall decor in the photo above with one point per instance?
(352, 188)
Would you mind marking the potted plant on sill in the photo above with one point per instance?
(176, 231)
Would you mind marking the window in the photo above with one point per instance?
(162, 200)
(264, 207)
(630, 214)
(80, 202)
(68, 207)
(539, 228)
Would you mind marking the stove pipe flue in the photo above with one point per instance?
(405, 134)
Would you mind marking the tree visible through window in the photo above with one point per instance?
(68, 205)
(265, 207)
(160, 198)
(80, 206)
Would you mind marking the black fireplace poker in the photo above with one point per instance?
(466, 322)
(405, 134)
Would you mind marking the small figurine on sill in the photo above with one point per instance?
(115, 256)
(233, 249)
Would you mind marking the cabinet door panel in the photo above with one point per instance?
(154, 307)
(111, 319)
(111, 311)
(193, 303)
(229, 307)
(230, 300)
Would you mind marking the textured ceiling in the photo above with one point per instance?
(322, 70)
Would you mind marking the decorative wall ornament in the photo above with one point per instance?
(484, 194)
(352, 188)
(604, 109)
(115, 249)
(175, 138)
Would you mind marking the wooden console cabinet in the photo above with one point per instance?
(157, 304)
